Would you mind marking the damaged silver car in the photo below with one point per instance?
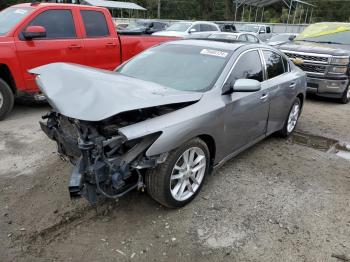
(163, 120)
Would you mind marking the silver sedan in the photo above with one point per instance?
(165, 118)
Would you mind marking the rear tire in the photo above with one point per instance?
(292, 119)
(165, 182)
(346, 96)
(6, 99)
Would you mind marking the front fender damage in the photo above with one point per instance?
(107, 164)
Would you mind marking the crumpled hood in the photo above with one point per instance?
(90, 94)
(316, 48)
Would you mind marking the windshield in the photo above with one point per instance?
(10, 17)
(137, 24)
(179, 27)
(181, 67)
(223, 36)
(338, 33)
(250, 28)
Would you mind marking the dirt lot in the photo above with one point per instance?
(278, 201)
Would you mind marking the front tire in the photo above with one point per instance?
(292, 119)
(178, 180)
(346, 96)
(6, 99)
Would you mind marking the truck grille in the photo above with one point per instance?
(308, 57)
(313, 68)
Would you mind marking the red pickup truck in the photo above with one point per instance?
(36, 34)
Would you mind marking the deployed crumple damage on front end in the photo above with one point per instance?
(89, 108)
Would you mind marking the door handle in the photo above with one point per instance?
(264, 96)
(111, 44)
(292, 85)
(74, 46)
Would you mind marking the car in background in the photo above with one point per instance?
(144, 27)
(263, 31)
(243, 37)
(121, 26)
(227, 27)
(280, 39)
(322, 50)
(181, 29)
(165, 118)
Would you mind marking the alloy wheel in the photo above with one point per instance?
(188, 173)
(293, 117)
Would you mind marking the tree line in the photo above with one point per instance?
(217, 10)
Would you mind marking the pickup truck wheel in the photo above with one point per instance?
(6, 99)
(292, 119)
(346, 96)
(178, 180)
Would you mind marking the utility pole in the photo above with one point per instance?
(158, 9)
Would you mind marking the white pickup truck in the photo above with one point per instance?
(263, 31)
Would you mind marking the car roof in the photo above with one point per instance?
(232, 33)
(208, 44)
(256, 24)
(36, 5)
(195, 22)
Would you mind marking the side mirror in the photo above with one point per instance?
(34, 32)
(192, 30)
(246, 85)
(292, 37)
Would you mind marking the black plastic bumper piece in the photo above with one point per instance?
(75, 183)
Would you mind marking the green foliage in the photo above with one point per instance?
(325, 10)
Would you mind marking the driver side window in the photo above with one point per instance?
(196, 27)
(249, 66)
(59, 24)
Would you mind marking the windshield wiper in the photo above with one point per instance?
(321, 42)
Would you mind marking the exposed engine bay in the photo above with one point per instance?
(106, 163)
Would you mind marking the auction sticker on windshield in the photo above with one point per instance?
(21, 11)
(214, 53)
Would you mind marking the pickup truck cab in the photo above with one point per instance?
(322, 50)
(36, 34)
(263, 31)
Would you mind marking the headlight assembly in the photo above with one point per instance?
(340, 60)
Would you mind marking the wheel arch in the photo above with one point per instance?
(6, 75)
(210, 142)
(302, 98)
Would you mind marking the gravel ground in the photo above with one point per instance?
(278, 201)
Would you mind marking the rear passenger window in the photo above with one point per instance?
(95, 23)
(58, 23)
(248, 67)
(207, 28)
(274, 64)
